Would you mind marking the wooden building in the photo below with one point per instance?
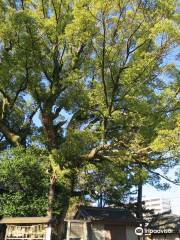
(25, 228)
(89, 223)
(92, 223)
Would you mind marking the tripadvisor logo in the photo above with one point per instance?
(139, 231)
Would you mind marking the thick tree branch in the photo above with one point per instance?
(164, 177)
(94, 151)
(5, 96)
(11, 137)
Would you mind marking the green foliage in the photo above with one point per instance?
(24, 182)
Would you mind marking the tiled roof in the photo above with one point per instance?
(25, 220)
(105, 214)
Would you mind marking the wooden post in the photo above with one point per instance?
(85, 231)
(48, 233)
(68, 230)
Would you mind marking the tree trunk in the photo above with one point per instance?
(51, 196)
(47, 121)
(139, 213)
(61, 224)
(55, 169)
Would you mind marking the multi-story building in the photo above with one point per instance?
(159, 205)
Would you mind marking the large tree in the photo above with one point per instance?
(90, 71)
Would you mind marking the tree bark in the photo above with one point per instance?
(61, 223)
(51, 196)
(139, 213)
(139, 202)
(11, 137)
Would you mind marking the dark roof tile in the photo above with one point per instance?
(109, 214)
